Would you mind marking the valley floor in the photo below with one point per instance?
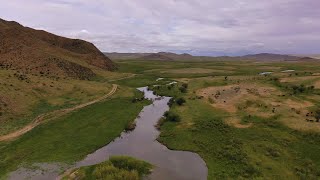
(244, 125)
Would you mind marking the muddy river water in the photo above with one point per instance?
(141, 143)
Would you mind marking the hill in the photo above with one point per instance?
(41, 72)
(315, 56)
(270, 57)
(168, 56)
(156, 57)
(38, 52)
(162, 56)
(124, 56)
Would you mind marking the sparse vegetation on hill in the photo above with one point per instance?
(41, 53)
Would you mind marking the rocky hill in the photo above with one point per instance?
(41, 53)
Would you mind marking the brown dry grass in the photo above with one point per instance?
(298, 79)
(236, 122)
(317, 84)
(229, 96)
(262, 101)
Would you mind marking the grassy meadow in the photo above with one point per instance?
(244, 125)
(73, 136)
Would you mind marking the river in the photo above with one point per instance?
(142, 143)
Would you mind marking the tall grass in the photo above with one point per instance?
(116, 168)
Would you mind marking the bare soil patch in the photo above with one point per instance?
(261, 101)
(228, 97)
(235, 122)
(317, 84)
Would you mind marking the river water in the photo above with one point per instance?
(142, 144)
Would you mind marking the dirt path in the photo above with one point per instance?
(52, 115)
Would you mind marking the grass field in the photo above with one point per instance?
(244, 125)
(259, 131)
(72, 136)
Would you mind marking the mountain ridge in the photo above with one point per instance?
(173, 57)
(39, 52)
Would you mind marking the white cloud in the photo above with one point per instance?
(229, 26)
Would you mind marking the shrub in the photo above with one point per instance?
(185, 85)
(183, 89)
(130, 164)
(116, 168)
(211, 101)
(180, 101)
(130, 126)
(170, 116)
(171, 102)
(317, 116)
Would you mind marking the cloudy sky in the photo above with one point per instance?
(215, 27)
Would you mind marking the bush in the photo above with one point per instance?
(170, 116)
(180, 101)
(183, 89)
(130, 164)
(116, 168)
(317, 116)
(130, 126)
(211, 100)
(301, 89)
(171, 102)
(185, 85)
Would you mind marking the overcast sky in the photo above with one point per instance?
(215, 27)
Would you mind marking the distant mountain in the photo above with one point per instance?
(156, 57)
(314, 56)
(270, 57)
(161, 56)
(120, 56)
(168, 56)
(38, 52)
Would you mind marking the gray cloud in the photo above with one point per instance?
(197, 26)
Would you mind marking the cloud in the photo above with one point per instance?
(220, 27)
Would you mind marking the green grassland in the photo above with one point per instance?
(279, 145)
(74, 135)
(269, 149)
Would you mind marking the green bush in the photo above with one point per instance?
(180, 101)
(130, 164)
(171, 102)
(116, 168)
(183, 89)
(170, 116)
(185, 85)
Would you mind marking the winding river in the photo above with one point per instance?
(141, 143)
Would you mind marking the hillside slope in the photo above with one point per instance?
(41, 72)
(39, 52)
